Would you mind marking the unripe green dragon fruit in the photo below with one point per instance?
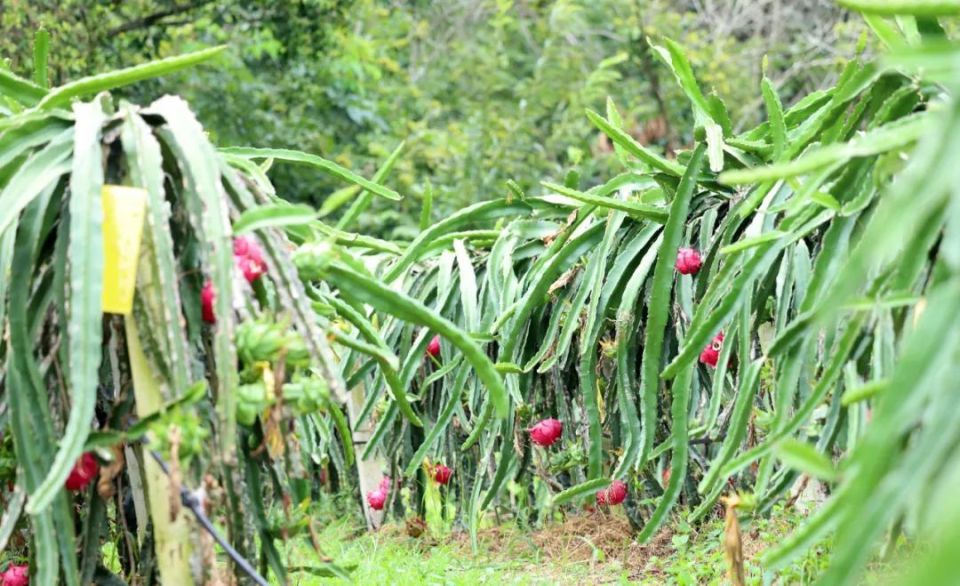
(252, 399)
(262, 341)
(259, 341)
(311, 259)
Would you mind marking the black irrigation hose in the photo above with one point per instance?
(189, 500)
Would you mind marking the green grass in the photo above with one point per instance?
(587, 549)
(590, 548)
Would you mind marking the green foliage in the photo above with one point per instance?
(828, 236)
(62, 353)
(483, 92)
(788, 258)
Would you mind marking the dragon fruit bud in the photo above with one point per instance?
(433, 348)
(442, 474)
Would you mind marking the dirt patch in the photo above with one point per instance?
(601, 539)
(600, 544)
(590, 538)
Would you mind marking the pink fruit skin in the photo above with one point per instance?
(376, 499)
(711, 354)
(84, 471)
(207, 295)
(688, 261)
(249, 258)
(546, 432)
(16, 575)
(616, 492)
(433, 348)
(248, 247)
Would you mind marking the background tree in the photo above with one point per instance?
(481, 91)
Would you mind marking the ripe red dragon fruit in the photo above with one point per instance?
(616, 492)
(602, 497)
(433, 348)
(15, 575)
(688, 261)
(207, 296)
(84, 471)
(546, 432)
(442, 474)
(711, 354)
(249, 258)
(666, 476)
(376, 499)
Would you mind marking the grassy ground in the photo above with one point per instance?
(586, 548)
(591, 548)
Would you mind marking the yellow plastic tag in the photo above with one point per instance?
(272, 435)
(124, 209)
